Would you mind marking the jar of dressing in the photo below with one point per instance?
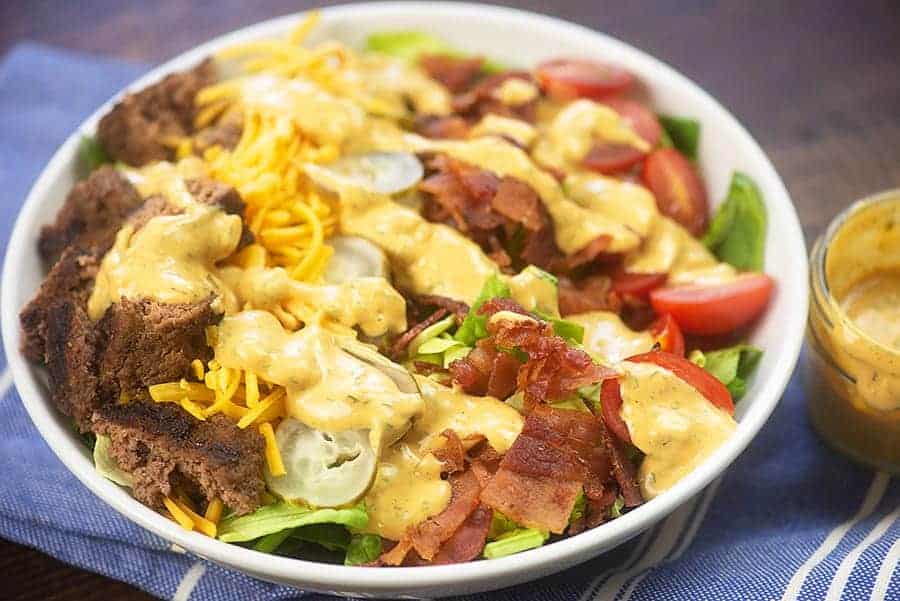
(852, 371)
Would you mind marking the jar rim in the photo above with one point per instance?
(819, 258)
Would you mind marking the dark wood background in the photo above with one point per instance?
(817, 82)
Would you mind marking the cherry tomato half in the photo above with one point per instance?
(668, 335)
(609, 159)
(704, 382)
(569, 78)
(639, 118)
(611, 408)
(715, 309)
(679, 191)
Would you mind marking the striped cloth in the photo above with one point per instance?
(790, 519)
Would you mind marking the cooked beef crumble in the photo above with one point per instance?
(143, 126)
(161, 445)
(145, 342)
(91, 215)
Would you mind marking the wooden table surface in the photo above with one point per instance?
(818, 86)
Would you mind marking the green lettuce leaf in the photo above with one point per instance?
(91, 153)
(331, 536)
(363, 548)
(737, 234)
(474, 326)
(284, 516)
(515, 542)
(271, 542)
(578, 509)
(409, 45)
(732, 366)
(569, 330)
(616, 509)
(681, 133)
(428, 334)
(106, 465)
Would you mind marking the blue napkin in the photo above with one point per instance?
(790, 520)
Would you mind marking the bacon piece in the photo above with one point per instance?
(499, 303)
(518, 202)
(593, 293)
(458, 308)
(532, 501)
(467, 542)
(542, 473)
(593, 251)
(480, 101)
(426, 538)
(624, 471)
(455, 73)
(597, 510)
(399, 346)
(449, 127)
(452, 454)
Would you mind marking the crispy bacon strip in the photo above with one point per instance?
(541, 475)
(452, 454)
(458, 308)
(455, 73)
(468, 541)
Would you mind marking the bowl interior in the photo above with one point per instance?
(517, 39)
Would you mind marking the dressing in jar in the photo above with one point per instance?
(853, 364)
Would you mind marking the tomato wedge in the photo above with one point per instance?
(568, 78)
(612, 158)
(637, 284)
(679, 191)
(704, 382)
(611, 407)
(639, 118)
(668, 335)
(715, 309)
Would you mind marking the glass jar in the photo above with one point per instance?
(852, 371)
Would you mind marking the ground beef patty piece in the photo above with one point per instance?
(145, 342)
(161, 445)
(143, 127)
(70, 281)
(71, 356)
(92, 214)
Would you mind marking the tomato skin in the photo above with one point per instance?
(568, 78)
(679, 191)
(704, 382)
(637, 285)
(718, 309)
(611, 407)
(668, 335)
(639, 118)
(609, 159)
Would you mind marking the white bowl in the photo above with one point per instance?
(511, 37)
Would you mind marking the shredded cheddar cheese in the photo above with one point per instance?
(178, 515)
(214, 510)
(273, 455)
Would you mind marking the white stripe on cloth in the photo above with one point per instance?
(870, 502)
(885, 572)
(6, 381)
(637, 552)
(189, 582)
(696, 521)
(684, 521)
(836, 589)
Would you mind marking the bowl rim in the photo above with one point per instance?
(480, 575)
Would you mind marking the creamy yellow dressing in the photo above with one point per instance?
(328, 388)
(516, 92)
(627, 203)
(408, 486)
(575, 226)
(171, 259)
(568, 137)
(494, 125)
(535, 291)
(383, 86)
(168, 180)
(427, 258)
(873, 304)
(608, 340)
(675, 426)
(370, 303)
(671, 249)
(324, 117)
